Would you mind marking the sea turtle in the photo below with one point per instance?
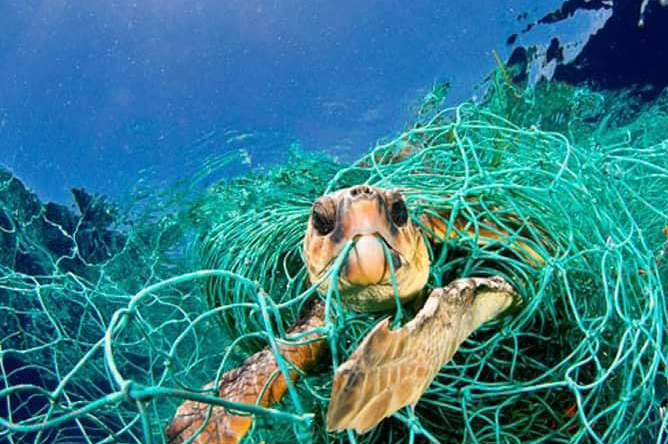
(390, 368)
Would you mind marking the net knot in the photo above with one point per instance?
(413, 422)
(126, 386)
(466, 394)
(304, 431)
(571, 384)
(591, 334)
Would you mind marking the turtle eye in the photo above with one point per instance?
(399, 213)
(322, 220)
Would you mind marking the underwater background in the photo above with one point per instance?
(93, 93)
(145, 145)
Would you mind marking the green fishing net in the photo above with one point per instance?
(112, 316)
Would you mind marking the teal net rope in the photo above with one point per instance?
(111, 318)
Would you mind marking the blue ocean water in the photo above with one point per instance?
(108, 95)
(92, 93)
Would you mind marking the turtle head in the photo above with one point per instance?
(369, 216)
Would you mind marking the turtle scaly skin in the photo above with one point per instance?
(245, 383)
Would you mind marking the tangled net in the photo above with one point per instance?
(107, 328)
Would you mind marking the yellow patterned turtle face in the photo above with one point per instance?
(369, 216)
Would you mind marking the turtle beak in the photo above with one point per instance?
(366, 263)
(364, 219)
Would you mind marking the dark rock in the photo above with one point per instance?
(518, 64)
(554, 51)
(628, 52)
(34, 236)
(569, 7)
(624, 54)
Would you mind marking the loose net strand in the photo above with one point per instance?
(112, 318)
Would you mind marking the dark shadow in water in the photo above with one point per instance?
(629, 51)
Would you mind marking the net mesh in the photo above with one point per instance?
(111, 317)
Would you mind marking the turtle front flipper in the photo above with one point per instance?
(257, 376)
(392, 368)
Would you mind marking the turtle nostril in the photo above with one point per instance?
(363, 190)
